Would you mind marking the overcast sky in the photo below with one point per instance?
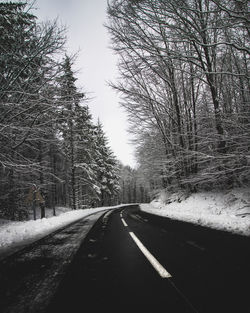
(86, 35)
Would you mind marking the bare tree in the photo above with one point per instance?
(184, 76)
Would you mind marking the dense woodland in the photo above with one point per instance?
(51, 149)
(184, 82)
(133, 187)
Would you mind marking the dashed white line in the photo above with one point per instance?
(124, 223)
(156, 265)
(154, 262)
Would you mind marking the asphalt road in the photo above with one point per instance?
(30, 277)
(195, 269)
(129, 261)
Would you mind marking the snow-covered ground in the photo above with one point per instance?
(14, 235)
(229, 211)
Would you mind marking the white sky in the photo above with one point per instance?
(96, 62)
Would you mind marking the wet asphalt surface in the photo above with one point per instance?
(210, 269)
(106, 271)
(30, 277)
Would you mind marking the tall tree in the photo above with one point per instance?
(69, 103)
(107, 169)
(26, 68)
(184, 78)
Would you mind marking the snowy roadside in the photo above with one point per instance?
(15, 235)
(228, 211)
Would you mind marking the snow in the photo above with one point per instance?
(228, 211)
(15, 235)
(225, 210)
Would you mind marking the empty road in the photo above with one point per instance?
(129, 261)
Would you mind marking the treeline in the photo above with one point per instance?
(49, 142)
(133, 187)
(184, 78)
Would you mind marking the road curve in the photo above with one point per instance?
(126, 260)
(207, 269)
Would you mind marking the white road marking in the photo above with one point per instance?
(157, 266)
(124, 223)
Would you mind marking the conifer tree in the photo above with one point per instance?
(88, 190)
(69, 99)
(26, 71)
(78, 140)
(47, 136)
(108, 170)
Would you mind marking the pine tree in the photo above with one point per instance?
(47, 135)
(67, 103)
(78, 140)
(88, 189)
(26, 71)
(108, 170)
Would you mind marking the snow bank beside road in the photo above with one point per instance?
(13, 235)
(229, 211)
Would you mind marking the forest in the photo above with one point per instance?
(184, 83)
(52, 153)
